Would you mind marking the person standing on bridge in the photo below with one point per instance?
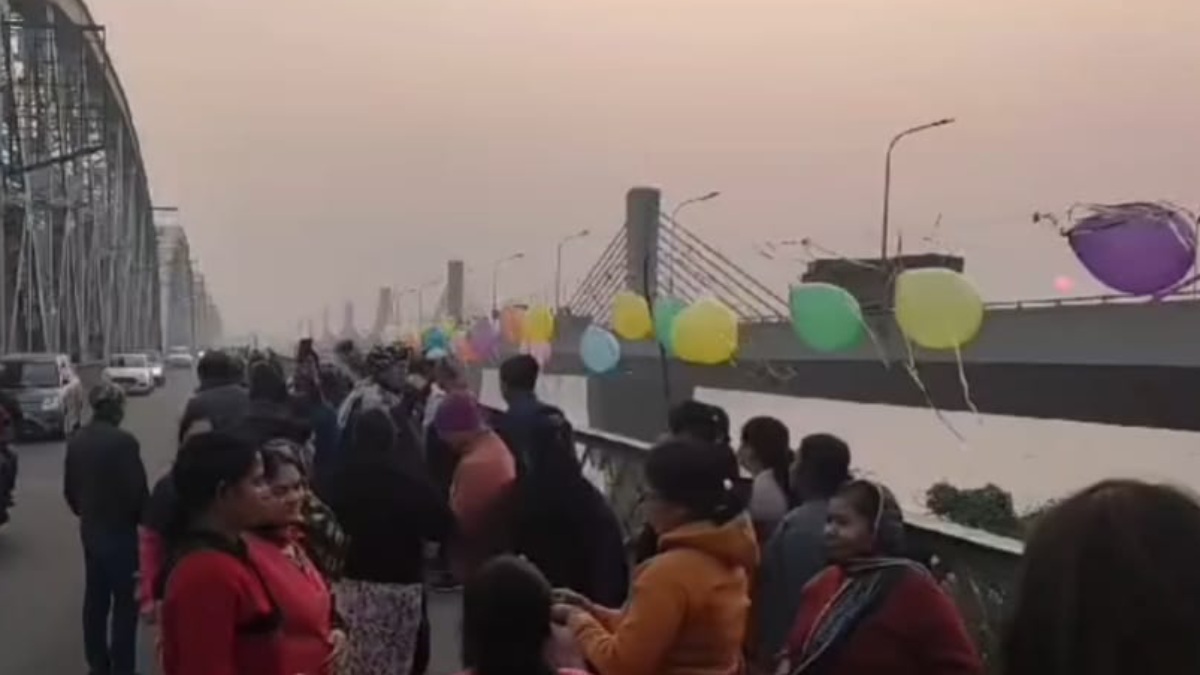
(795, 553)
(874, 612)
(221, 398)
(482, 493)
(104, 482)
(218, 616)
(689, 605)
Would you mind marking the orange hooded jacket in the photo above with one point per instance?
(688, 609)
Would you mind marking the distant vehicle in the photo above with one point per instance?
(131, 372)
(156, 367)
(48, 392)
(180, 357)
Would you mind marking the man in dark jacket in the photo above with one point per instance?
(221, 398)
(104, 482)
(526, 414)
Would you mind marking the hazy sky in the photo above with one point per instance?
(319, 150)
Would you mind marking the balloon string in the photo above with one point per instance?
(911, 368)
(875, 342)
(963, 382)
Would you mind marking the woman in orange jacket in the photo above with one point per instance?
(689, 604)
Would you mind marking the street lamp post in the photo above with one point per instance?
(558, 266)
(496, 278)
(887, 176)
(671, 219)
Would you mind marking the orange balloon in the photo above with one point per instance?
(462, 349)
(512, 324)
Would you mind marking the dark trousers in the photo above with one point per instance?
(421, 656)
(110, 614)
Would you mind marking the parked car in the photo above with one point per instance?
(131, 372)
(180, 357)
(156, 367)
(48, 392)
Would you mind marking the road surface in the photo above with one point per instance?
(41, 563)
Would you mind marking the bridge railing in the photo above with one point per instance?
(977, 568)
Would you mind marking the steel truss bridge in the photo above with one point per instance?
(85, 268)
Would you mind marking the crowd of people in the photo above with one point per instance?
(308, 515)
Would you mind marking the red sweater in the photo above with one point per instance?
(217, 619)
(303, 597)
(916, 630)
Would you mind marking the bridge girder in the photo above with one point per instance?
(80, 268)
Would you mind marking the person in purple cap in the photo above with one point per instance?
(483, 480)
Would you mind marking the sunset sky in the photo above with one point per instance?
(318, 150)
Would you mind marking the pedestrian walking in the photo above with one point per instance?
(104, 482)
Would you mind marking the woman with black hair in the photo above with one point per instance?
(555, 503)
(702, 423)
(309, 640)
(874, 612)
(389, 509)
(506, 628)
(1110, 583)
(766, 454)
(218, 618)
(688, 608)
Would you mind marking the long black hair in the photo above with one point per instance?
(769, 440)
(1110, 585)
(207, 463)
(701, 477)
(506, 619)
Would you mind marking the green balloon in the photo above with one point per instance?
(826, 317)
(665, 312)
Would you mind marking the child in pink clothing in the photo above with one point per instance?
(483, 479)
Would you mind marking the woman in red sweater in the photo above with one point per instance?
(309, 640)
(218, 617)
(872, 612)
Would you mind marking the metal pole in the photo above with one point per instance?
(671, 219)
(887, 177)
(558, 267)
(496, 279)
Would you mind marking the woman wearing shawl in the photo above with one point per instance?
(872, 612)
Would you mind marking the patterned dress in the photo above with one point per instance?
(382, 621)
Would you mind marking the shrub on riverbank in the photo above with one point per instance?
(989, 508)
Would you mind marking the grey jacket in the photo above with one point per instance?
(794, 554)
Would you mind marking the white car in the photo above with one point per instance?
(180, 357)
(132, 372)
(156, 367)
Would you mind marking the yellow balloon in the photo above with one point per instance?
(539, 324)
(938, 308)
(631, 316)
(705, 333)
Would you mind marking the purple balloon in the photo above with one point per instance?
(1139, 248)
(484, 339)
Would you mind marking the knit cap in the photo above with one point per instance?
(458, 413)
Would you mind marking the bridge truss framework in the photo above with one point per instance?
(82, 269)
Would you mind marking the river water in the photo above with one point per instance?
(909, 449)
